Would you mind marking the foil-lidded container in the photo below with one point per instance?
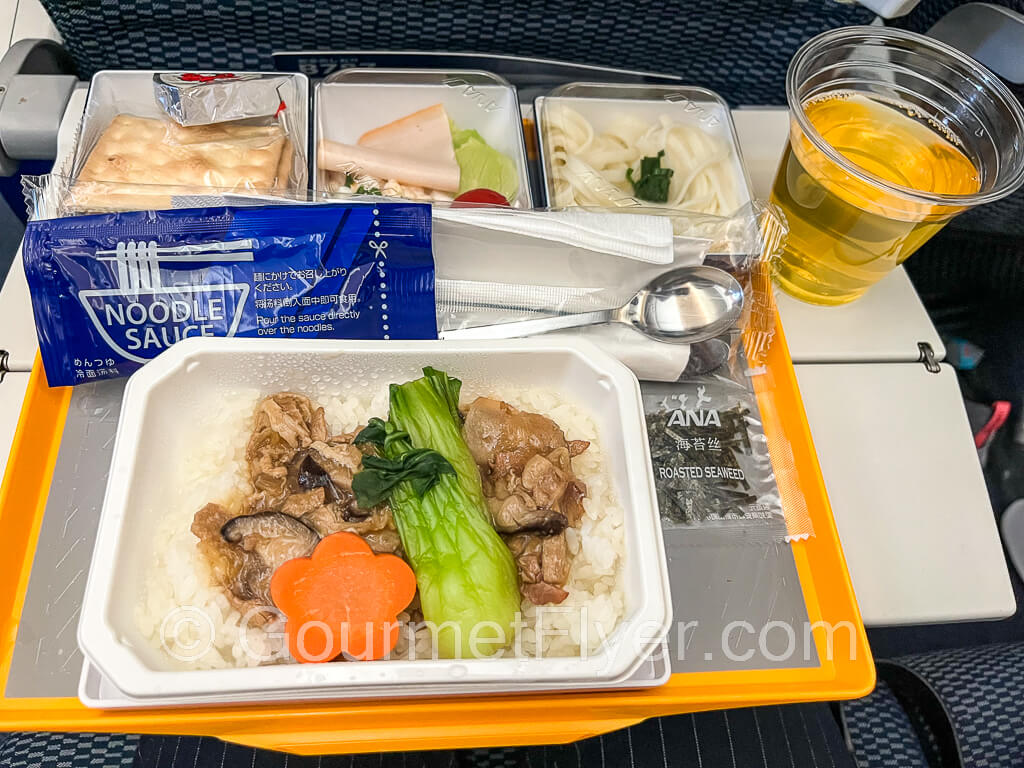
(204, 98)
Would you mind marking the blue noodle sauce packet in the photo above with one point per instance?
(110, 292)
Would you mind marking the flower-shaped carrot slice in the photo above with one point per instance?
(342, 599)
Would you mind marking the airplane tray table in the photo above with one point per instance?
(49, 507)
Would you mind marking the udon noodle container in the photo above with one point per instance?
(571, 120)
(168, 414)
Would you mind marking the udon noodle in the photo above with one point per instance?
(589, 168)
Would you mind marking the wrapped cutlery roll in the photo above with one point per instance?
(505, 267)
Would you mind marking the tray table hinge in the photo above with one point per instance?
(927, 356)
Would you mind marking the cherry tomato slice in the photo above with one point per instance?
(478, 198)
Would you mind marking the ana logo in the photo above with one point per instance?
(696, 416)
(695, 110)
(142, 317)
(482, 100)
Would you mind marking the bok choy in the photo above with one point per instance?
(466, 576)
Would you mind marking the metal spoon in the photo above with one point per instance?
(684, 306)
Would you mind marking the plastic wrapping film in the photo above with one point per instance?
(130, 153)
(720, 461)
(57, 195)
(497, 265)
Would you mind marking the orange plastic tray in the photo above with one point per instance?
(461, 721)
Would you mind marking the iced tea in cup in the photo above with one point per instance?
(891, 135)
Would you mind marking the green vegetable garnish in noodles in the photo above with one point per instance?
(468, 584)
(653, 181)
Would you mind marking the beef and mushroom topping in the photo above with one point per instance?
(226, 561)
(329, 465)
(532, 493)
(290, 452)
(331, 518)
(302, 504)
(292, 417)
(284, 423)
(298, 469)
(503, 438)
(244, 551)
(543, 563)
(519, 512)
(302, 491)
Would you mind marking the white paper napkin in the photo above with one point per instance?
(631, 236)
(649, 359)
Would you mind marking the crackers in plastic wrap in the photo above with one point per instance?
(138, 162)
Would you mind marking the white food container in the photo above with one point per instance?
(95, 691)
(599, 103)
(349, 103)
(130, 92)
(162, 416)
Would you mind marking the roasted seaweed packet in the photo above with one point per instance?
(710, 456)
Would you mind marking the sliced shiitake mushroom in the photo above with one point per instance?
(305, 473)
(270, 539)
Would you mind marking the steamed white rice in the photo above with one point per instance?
(194, 625)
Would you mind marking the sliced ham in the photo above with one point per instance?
(425, 134)
(381, 164)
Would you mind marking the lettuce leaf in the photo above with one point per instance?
(482, 166)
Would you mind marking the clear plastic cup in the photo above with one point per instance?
(891, 135)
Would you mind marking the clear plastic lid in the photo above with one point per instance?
(385, 76)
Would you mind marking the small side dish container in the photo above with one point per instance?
(165, 419)
(601, 103)
(131, 92)
(349, 103)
